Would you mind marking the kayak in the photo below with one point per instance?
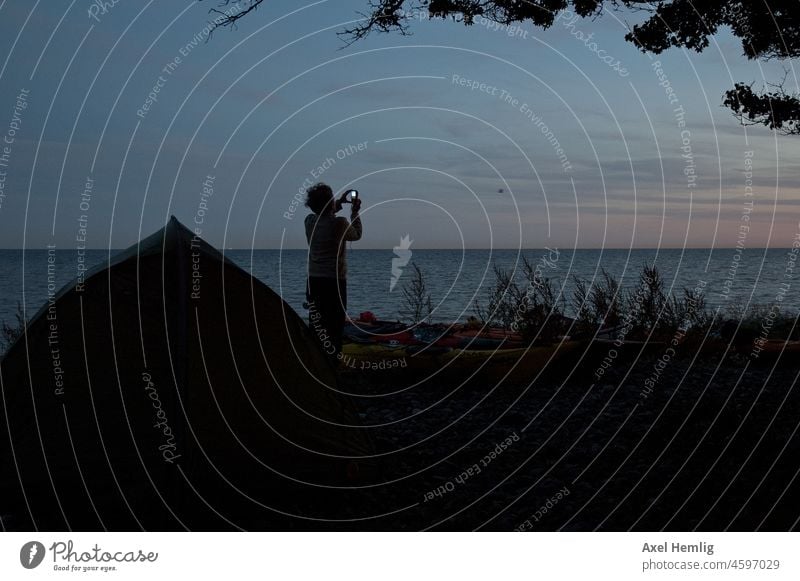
(423, 336)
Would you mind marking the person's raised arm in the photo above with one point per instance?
(355, 230)
(351, 231)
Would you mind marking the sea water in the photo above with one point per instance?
(455, 279)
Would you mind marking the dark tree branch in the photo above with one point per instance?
(775, 109)
(384, 16)
(767, 29)
(231, 12)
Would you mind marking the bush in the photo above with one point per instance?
(598, 305)
(11, 332)
(533, 310)
(647, 304)
(538, 311)
(416, 298)
(503, 297)
(742, 324)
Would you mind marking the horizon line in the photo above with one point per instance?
(386, 249)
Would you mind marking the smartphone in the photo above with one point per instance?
(350, 195)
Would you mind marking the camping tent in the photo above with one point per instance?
(170, 389)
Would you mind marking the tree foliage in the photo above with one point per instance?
(767, 29)
(776, 109)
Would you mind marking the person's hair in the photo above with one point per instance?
(318, 197)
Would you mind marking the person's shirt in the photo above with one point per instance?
(326, 237)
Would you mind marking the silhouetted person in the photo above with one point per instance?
(326, 290)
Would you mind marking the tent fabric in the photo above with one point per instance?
(171, 390)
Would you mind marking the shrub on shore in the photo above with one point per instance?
(10, 332)
(602, 308)
(417, 305)
(598, 304)
(739, 323)
(535, 309)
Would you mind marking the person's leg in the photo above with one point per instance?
(340, 305)
(317, 312)
(323, 315)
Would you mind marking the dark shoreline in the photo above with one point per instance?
(614, 450)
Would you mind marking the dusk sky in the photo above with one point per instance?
(476, 136)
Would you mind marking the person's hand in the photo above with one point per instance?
(356, 206)
(337, 205)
